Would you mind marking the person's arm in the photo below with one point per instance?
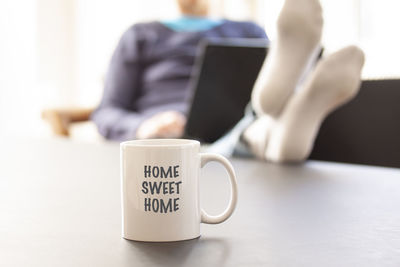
(114, 117)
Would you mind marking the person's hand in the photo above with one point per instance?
(168, 124)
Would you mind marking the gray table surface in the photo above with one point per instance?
(60, 206)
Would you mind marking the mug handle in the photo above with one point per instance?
(206, 218)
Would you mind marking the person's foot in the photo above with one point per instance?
(335, 80)
(299, 28)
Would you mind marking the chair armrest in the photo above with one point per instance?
(61, 118)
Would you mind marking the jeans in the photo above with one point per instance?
(231, 144)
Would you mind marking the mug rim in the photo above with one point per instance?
(161, 142)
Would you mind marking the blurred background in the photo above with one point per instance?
(54, 53)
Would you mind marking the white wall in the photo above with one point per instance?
(379, 37)
(56, 52)
(18, 97)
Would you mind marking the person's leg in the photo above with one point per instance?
(288, 121)
(299, 28)
(335, 80)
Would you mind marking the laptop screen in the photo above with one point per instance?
(223, 78)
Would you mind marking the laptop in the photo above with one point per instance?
(223, 78)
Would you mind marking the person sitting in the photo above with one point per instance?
(146, 88)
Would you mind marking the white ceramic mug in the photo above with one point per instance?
(160, 189)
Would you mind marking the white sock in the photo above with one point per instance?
(335, 80)
(299, 28)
